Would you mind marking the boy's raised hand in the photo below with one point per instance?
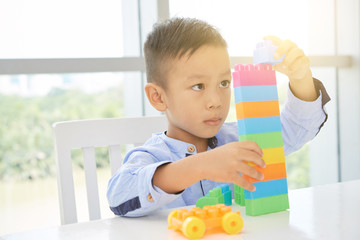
(296, 65)
(225, 163)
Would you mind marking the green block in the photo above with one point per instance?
(215, 196)
(260, 206)
(265, 140)
(239, 195)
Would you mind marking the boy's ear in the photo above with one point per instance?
(155, 94)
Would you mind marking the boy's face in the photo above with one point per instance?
(198, 94)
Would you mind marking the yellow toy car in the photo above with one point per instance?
(193, 223)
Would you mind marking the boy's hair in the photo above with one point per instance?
(175, 38)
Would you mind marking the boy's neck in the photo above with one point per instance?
(201, 144)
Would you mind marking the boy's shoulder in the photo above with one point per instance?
(160, 148)
(154, 146)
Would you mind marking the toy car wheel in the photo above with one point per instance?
(171, 215)
(232, 223)
(193, 227)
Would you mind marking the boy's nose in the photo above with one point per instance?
(214, 101)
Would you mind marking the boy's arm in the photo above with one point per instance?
(301, 121)
(304, 113)
(222, 164)
(130, 190)
(144, 184)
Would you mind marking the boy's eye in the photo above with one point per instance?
(198, 87)
(225, 84)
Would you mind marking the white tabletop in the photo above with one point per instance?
(322, 212)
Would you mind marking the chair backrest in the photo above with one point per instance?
(86, 135)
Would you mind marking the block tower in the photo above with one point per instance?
(258, 116)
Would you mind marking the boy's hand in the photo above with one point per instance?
(225, 163)
(296, 65)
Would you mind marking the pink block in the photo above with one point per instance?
(253, 75)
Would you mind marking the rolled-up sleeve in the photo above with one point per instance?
(301, 121)
(131, 192)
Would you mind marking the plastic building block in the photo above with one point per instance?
(271, 172)
(227, 194)
(257, 109)
(256, 93)
(274, 155)
(253, 75)
(265, 140)
(239, 195)
(260, 206)
(268, 189)
(194, 223)
(258, 117)
(259, 125)
(220, 194)
(214, 197)
(264, 53)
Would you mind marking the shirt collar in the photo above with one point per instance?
(181, 147)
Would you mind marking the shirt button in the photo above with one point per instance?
(150, 198)
(191, 149)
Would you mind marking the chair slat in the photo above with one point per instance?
(115, 158)
(65, 184)
(91, 183)
(85, 135)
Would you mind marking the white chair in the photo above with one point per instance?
(86, 135)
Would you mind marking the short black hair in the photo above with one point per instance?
(175, 38)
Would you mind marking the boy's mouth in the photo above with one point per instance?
(213, 121)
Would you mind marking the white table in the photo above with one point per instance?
(322, 212)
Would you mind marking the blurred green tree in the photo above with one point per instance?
(26, 140)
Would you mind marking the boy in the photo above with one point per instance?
(189, 77)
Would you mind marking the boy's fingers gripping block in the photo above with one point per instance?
(271, 172)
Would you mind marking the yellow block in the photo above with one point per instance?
(272, 156)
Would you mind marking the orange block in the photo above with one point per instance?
(271, 172)
(257, 109)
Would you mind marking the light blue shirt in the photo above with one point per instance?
(131, 192)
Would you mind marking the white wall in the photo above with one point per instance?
(348, 42)
(334, 30)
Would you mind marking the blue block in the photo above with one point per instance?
(267, 189)
(256, 93)
(259, 125)
(227, 194)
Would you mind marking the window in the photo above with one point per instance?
(61, 29)
(29, 105)
(62, 60)
(244, 23)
